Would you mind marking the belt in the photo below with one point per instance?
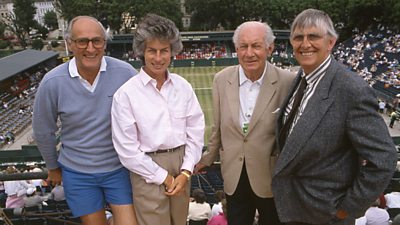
(163, 150)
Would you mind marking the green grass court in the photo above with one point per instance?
(201, 79)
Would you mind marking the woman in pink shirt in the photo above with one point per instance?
(219, 219)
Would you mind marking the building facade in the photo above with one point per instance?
(42, 7)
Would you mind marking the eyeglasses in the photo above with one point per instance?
(310, 37)
(83, 43)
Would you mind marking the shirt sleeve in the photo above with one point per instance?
(127, 144)
(194, 133)
(44, 124)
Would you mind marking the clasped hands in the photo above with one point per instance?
(175, 185)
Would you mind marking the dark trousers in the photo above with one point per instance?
(3, 198)
(201, 222)
(393, 212)
(392, 123)
(242, 205)
(348, 221)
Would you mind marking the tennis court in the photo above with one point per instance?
(201, 79)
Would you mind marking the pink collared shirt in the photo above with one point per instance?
(145, 119)
(219, 219)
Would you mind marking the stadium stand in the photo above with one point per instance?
(196, 50)
(17, 105)
(374, 55)
(209, 181)
(19, 78)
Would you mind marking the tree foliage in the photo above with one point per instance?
(390, 15)
(214, 14)
(42, 30)
(346, 14)
(2, 29)
(110, 12)
(54, 44)
(50, 19)
(365, 13)
(22, 20)
(37, 44)
(4, 44)
(68, 9)
(166, 8)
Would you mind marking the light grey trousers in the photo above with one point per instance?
(152, 206)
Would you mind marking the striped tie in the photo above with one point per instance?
(296, 103)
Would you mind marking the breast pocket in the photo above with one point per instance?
(179, 121)
(268, 120)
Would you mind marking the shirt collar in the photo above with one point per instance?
(243, 78)
(73, 70)
(145, 78)
(321, 69)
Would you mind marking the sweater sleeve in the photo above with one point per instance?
(44, 123)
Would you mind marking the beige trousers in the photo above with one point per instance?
(152, 206)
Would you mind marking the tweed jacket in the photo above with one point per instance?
(320, 168)
(257, 146)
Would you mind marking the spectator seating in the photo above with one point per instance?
(209, 181)
(55, 213)
(374, 55)
(17, 104)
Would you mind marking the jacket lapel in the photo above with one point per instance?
(265, 95)
(279, 122)
(232, 93)
(315, 110)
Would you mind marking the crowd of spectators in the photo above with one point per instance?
(206, 50)
(200, 50)
(374, 55)
(17, 105)
(384, 211)
(20, 198)
(28, 193)
(25, 203)
(200, 211)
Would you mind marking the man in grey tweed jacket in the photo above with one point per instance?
(337, 155)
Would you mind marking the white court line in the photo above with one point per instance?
(202, 88)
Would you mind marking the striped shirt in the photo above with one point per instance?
(312, 80)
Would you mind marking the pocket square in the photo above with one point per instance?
(276, 110)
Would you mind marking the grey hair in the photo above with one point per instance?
(269, 34)
(314, 18)
(68, 32)
(152, 27)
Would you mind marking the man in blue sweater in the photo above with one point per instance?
(79, 94)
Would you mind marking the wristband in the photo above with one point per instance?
(186, 174)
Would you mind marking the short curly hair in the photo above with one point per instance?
(199, 196)
(153, 27)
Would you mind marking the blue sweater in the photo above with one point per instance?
(85, 118)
